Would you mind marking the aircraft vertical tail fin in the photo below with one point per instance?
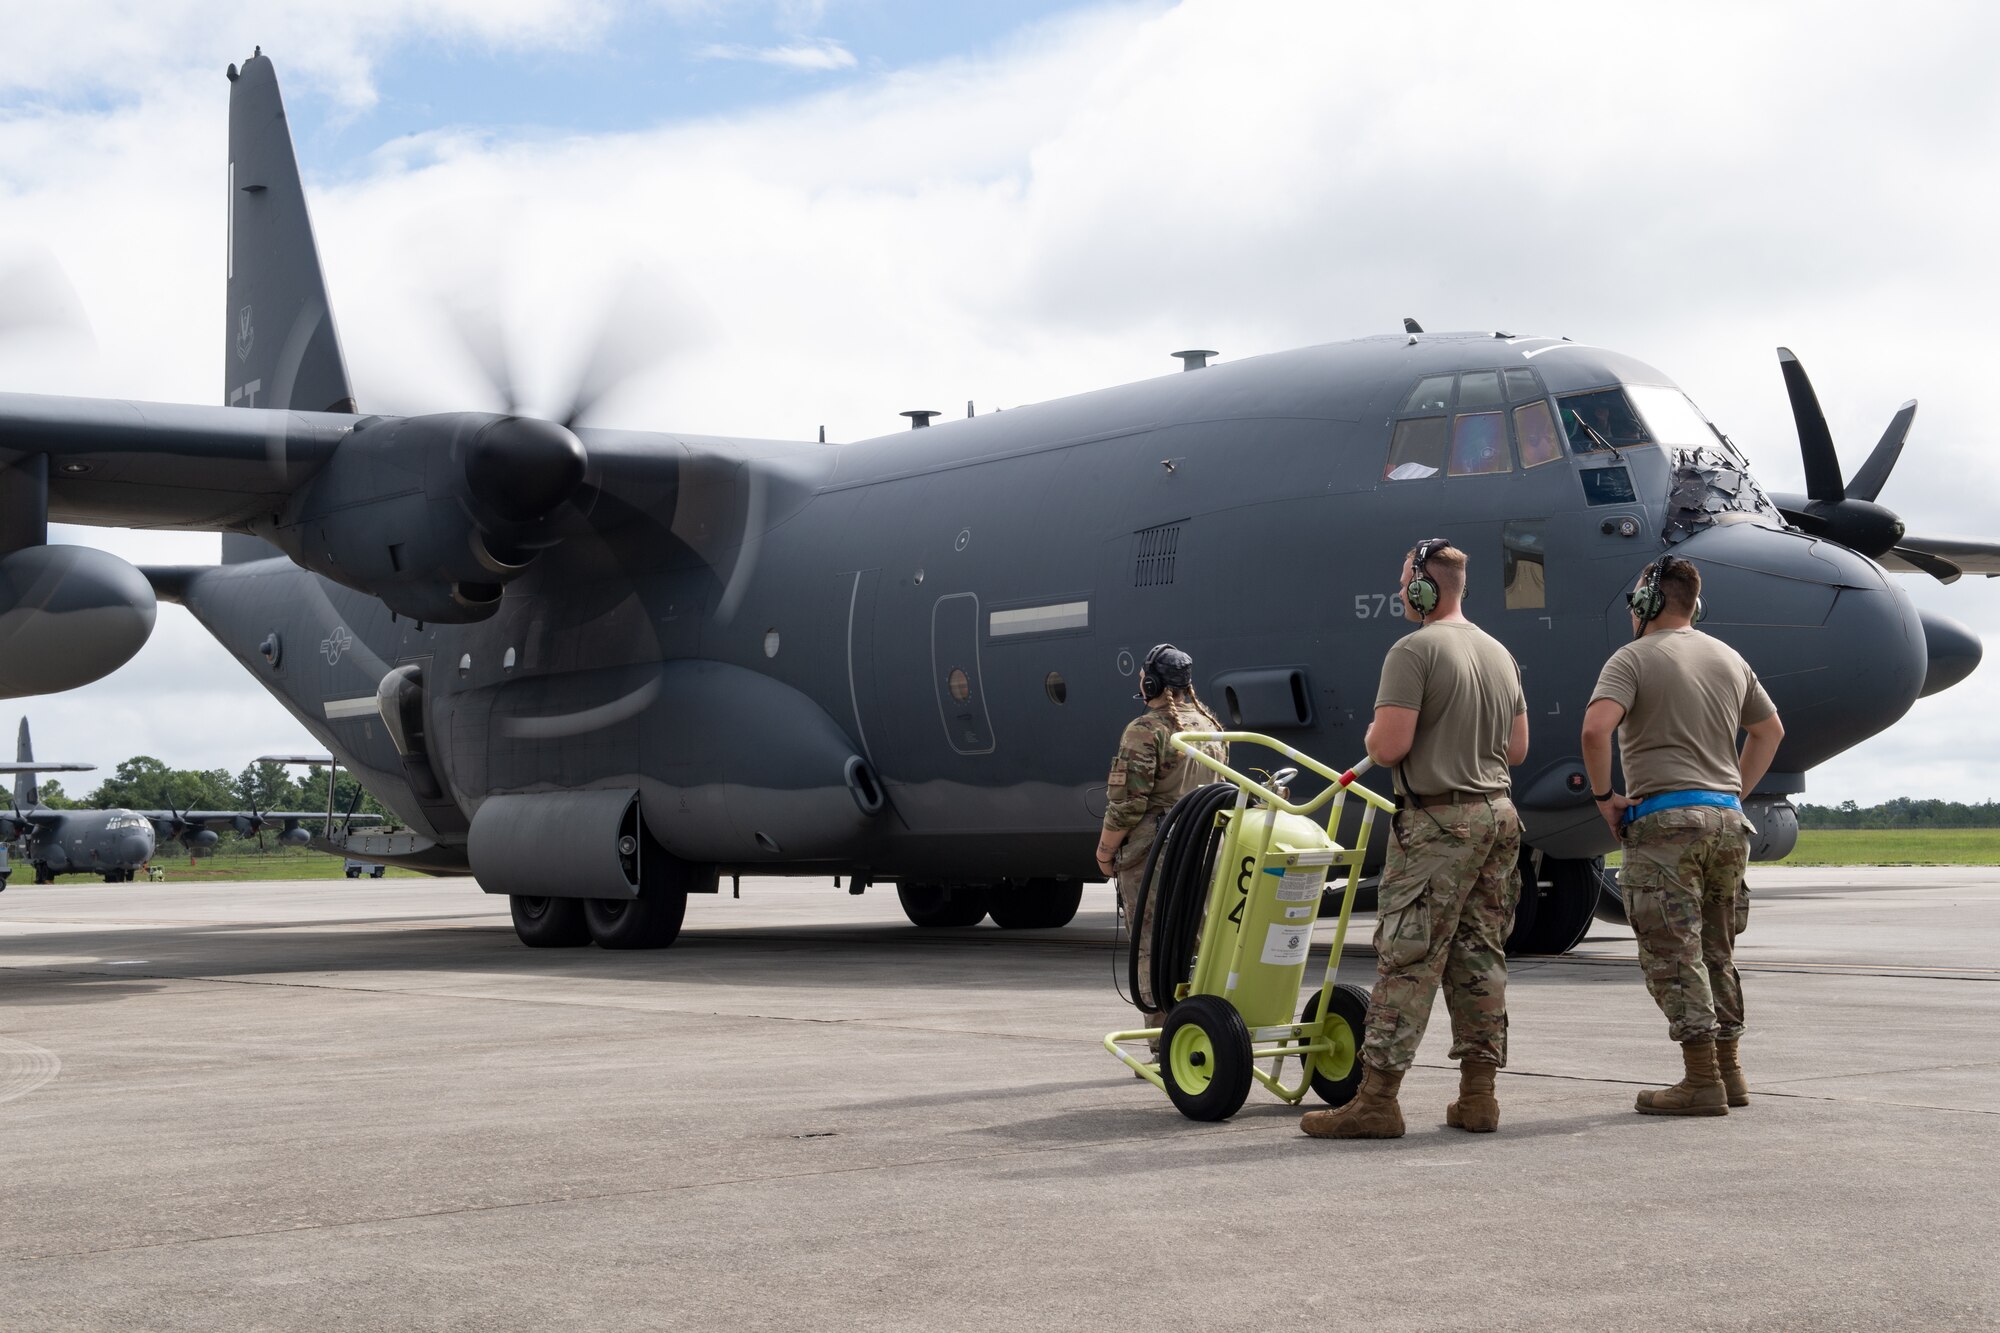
(26, 790)
(280, 346)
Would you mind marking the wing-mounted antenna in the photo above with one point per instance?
(280, 346)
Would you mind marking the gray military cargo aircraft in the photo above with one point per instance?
(116, 843)
(600, 669)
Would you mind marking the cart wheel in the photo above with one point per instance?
(1205, 1058)
(1336, 1074)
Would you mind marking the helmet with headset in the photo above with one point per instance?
(1166, 668)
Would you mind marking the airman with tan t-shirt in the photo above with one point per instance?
(1449, 719)
(1676, 699)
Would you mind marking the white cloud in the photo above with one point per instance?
(100, 48)
(820, 55)
(1695, 187)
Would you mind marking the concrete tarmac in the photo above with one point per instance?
(365, 1105)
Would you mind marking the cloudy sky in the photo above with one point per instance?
(855, 206)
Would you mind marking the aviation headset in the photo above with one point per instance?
(1166, 668)
(1648, 601)
(1422, 590)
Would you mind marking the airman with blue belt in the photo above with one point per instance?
(1676, 699)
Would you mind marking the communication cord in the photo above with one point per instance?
(1174, 891)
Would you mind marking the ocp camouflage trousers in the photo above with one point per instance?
(1445, 907)
(1684, 895)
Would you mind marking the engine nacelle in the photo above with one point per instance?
(69, 615)
(1776, 820)
(433, 515)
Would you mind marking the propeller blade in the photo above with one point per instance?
(1867, 483)
(484, 342)
(633, 336)
(1908, 559)
(1815, 440)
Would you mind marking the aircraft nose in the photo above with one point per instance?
(1834, 640)
(136, 847)
(1954, 652)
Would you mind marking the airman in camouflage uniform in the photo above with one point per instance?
(1676, 699)
(1450, 718)
(1462, 866)
(1684, 894)
(1147, 777)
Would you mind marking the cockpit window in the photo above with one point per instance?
(1601, 419)
(1673, 419)
(1474, 440)
(1536, 434)
(1432, 394)
(1418, 449)
(1479, 388)
(1479, 441)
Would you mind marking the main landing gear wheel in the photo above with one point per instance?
(1039, 904)
(550, 923)
(1558, 899)
(942, 905)
(1205, 1058)
(650, 921)
(1336, 1074)
(1611, 900)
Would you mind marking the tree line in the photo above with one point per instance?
(144, 783)
(1903, 812)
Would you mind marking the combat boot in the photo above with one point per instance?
(1373, 1114)
(1727, 1065)
(1698, 1093)
(1477, 1110)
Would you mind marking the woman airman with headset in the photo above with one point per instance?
(1148, 776)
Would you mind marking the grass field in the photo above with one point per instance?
(1889, 847)
(291, 863)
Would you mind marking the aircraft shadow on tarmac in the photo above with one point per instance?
(774, 957)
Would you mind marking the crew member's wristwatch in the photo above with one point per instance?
(1605, 797)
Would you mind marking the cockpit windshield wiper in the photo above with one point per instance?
(1591, 431)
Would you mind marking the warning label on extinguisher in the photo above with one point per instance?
(1287, 945)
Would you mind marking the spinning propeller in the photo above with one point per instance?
(1845, 511)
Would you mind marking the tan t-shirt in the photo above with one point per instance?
(1467, 692)
(1685, 695)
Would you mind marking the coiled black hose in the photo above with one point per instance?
(1174, 890)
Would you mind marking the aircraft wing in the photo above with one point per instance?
(139, 464)
(1944, 558)
(44, 766)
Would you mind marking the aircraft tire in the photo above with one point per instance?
(1039, 904)
(1611, 900)
(549, 923)
(650, 921)
(1557, 905)
(942, 906)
